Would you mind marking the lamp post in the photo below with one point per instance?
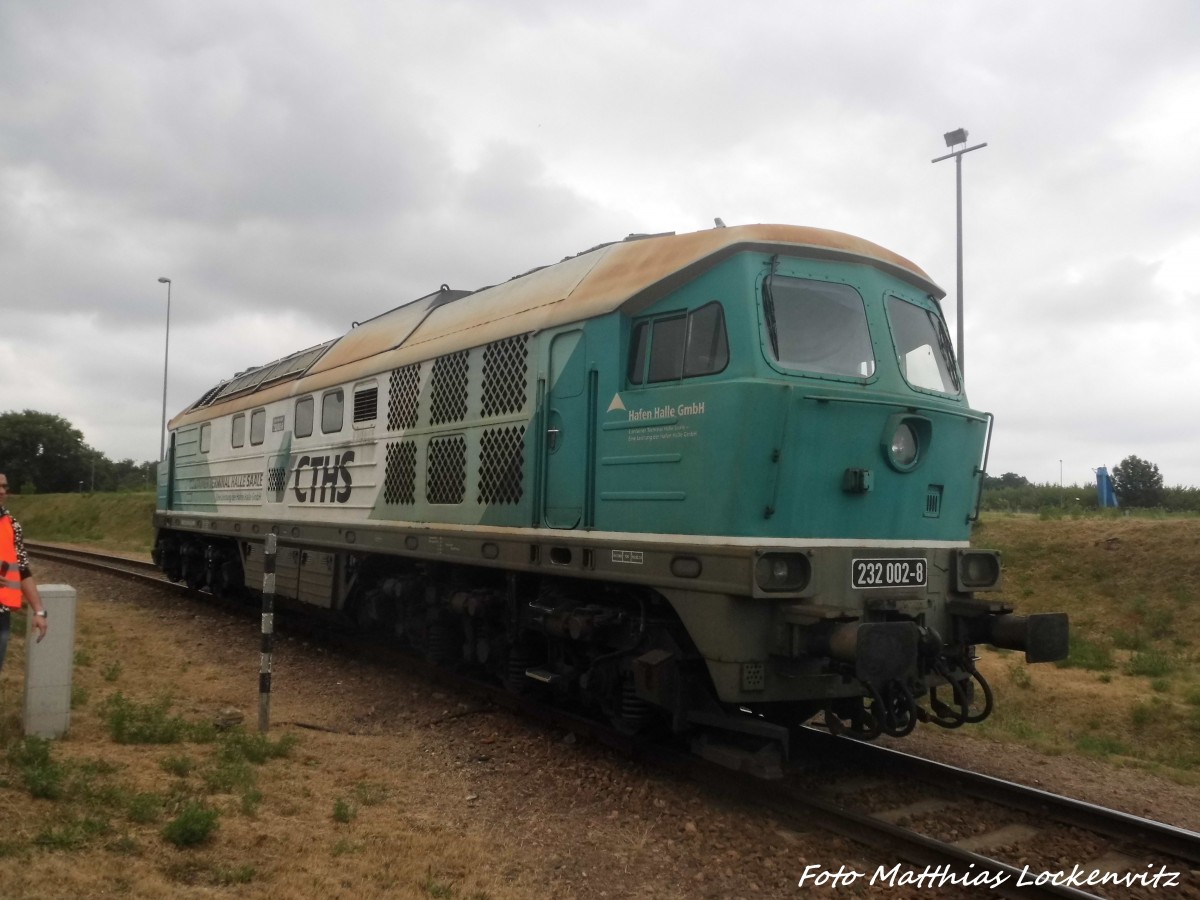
(953, 139)
(162, 431)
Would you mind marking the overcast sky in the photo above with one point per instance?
(294, 166)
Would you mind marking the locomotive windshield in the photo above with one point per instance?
(923, 347)
(818, 326)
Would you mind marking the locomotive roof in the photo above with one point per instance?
(628, 275)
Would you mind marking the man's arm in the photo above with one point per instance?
(29, 590)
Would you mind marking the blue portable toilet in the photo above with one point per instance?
(1104, 488)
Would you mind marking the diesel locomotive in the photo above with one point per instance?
(714, 484)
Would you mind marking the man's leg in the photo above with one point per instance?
(5, 631)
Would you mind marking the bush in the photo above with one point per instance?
(42, 776)
(181, 765)
(255, 748)
(193, 826)
(133, 723)
(144, 808)
(1085, 654)
(1151, 663)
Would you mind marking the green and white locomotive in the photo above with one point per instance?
(713, 483)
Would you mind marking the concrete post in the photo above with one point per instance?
(48, 665)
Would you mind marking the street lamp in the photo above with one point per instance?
(162, 431)
(953, 139)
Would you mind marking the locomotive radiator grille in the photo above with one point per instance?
(448, 389)
(403, 397)
(501, 471)
(505, 364)
(446, 479)
(400, 476)
(276, 482)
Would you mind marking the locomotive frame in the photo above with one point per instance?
(713, 483)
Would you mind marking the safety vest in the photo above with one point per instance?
(10, 573)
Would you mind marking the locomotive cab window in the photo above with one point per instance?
(817, 326)
(258, 426)
(679, 346)
(205, 437)
(332, 411)
(923, 348)
(238, 438)
(304, 416)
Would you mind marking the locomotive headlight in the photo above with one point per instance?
(977, 570)
(905, 440)
(904, 445)
(777, 572)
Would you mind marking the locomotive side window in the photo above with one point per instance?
(238, 438)
(304, 417)
(205, 437)
(332, 411)
(679, 346)
(638, 345)
(923, 347)
(817, 326)
(666, 349)
(258, 426)
(707, 344)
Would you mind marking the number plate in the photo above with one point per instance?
(888, 573)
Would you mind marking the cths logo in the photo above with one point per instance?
(330, 482)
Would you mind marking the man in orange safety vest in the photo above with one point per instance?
(16, 580)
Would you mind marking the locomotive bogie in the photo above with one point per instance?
(674, 477)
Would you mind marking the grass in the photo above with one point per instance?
(144, 762)
(108, 521)
(193, 826)
(144, 723)
(1084, 653)
(1151, 662)
(96, 803)
(180, 765)
(95, 798)
(1101, 745)
(1130, 688)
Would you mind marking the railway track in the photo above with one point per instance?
(941, 826)
(98, 560)
(1012, 839)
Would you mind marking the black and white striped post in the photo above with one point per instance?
(268, 634)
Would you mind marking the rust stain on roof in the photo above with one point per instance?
(627, 275)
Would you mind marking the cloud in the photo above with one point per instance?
(295, 166)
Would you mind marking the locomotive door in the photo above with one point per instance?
(166, 477)
(564, 444)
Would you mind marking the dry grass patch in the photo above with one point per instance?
(147, 798)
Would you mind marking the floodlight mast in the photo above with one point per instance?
(162, 430)
(953, 139)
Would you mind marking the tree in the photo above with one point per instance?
(1007, 480)
(127, 475)
(1138, 482)
(42, 452)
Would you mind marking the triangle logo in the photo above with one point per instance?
(616, 403)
